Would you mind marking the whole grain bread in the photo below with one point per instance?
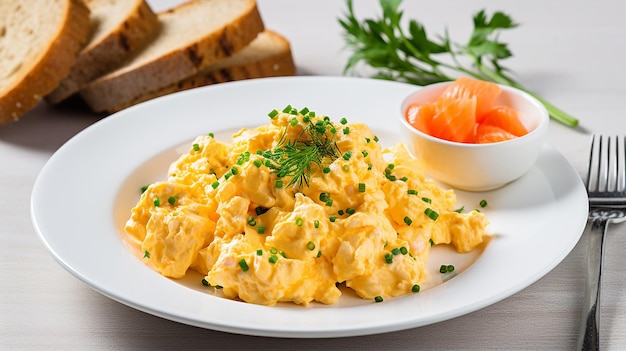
(192, 36)
(119, 27)
(269, 55)
(38, 45)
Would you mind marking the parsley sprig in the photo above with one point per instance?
(409, 55)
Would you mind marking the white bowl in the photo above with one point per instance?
(479, 167)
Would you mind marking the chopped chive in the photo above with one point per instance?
(431, 214)
(259, 210)
(376, 138)
(243, 264)
(211, 135)
(287, 109)
(364, 153)
(144, 188)
(391, 166)
(205, 282)
(450, 268)
(367, 140)
(259, 252)
(146, 254)
(361, 187)
(346, 130)
(404, 179)
(243, 158)
(395, 251)
(431, 242)
(299, 222)
(369, 166)
(443, 269)
(343, 121)
(218, 287)
(319, 254)
(273, 113)
(408, 220)
(324, 197)
(251, 221)
(279, 183)
(332, 218)
(260, 229)
(329, 202)
(388, 258)
(234, 171)
(460, 209)
(415, 288)
(326, 170)
(215, 184)
(310, 245)
(340, 212)
(411, 192)
(350, 210)
(273, 250)
(347, 155)
(156, 202)
(483, 203)
(316, 224)
(345, 168)
(427, 200)
(304, 111)
(293, 122)
(257, 163)
(273, 259)
(196, 147)
(171, 200)
(378, 299)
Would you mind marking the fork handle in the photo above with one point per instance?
(589, 338)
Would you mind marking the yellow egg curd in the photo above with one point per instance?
(289, 210)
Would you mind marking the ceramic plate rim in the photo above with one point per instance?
(65, 238)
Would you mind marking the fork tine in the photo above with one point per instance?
(593, 173)
(621, 164)
(607, 169)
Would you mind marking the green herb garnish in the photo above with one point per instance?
(409, 55)
(315, 146)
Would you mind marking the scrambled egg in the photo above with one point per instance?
(287, 211)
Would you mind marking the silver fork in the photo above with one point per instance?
(606, 187)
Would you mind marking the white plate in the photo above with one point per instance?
(85, 192)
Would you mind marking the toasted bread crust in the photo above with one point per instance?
(109, 52)
(123, 86)
(275, 65)
(44, 75)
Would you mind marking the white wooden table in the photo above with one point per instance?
(570, 52)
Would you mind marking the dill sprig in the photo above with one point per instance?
(314, 147)
(410, 55)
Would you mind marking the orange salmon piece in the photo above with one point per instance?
(420, 115)
(465, 87)
(506, 118)
(486, 133)
(455, 119)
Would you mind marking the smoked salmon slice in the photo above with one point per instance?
(465, 112)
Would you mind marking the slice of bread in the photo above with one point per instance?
(38, 45)
(119, 27)
(269, 55)
(193, 35)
